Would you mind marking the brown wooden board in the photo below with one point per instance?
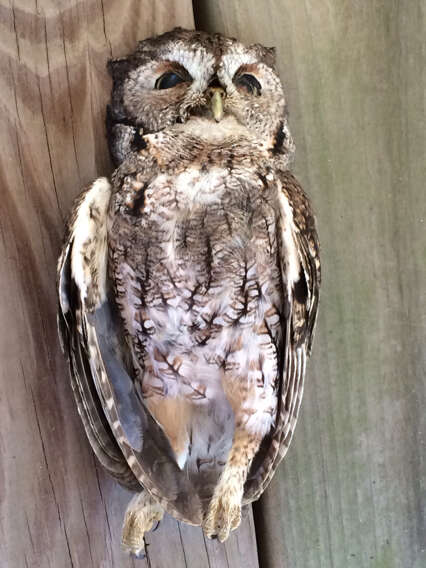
(351, 491)
(57, 508)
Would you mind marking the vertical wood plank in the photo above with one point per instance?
(57, 507)
(351, 490)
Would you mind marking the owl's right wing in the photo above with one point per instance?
(301, 278)
(72, 327)
(123, 434)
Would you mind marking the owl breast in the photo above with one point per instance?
(201, 292)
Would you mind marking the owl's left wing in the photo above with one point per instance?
(301, 277)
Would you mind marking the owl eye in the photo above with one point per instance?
(168, 80)
(250, 83)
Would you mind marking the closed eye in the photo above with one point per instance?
(249, 83)
(169, 80)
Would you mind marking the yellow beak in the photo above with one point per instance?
(216, 102)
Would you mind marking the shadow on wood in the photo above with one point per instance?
(350, 492)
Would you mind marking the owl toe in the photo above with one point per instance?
(143, 514)
(223, 516)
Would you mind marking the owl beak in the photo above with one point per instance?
(217, 95)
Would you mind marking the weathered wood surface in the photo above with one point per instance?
(351, 492)
(57, 508)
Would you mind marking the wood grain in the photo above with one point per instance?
(351, 492)
(57, 508)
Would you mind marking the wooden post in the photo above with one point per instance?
(58, 509)
(350, 493)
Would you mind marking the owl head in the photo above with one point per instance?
(182, 74)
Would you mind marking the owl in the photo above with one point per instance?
(189, 282)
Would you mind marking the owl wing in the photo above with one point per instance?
(301, 291)
(124, 436)
(73, 310)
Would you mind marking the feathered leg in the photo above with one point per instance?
(141, 514)
(224, 513)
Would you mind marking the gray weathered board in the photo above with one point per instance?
(351, 492)
(57, 508)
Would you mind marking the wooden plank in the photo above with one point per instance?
(351, 490)
(177, 544)
(57, 508)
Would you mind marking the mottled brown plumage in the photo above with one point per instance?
(189, 285)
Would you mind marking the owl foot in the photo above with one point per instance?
(224, 513)
(142, 513)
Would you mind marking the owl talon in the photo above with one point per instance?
(139, 554)
(142, 513)
(135, 549)
(224, 514)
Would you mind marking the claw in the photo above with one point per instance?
(139, 554)
(224, 514)
(134, 551)
(142, 515)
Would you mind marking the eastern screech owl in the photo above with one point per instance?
(189, 281)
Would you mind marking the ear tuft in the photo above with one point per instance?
(270, 56)
(118, 68)
(265, 54)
